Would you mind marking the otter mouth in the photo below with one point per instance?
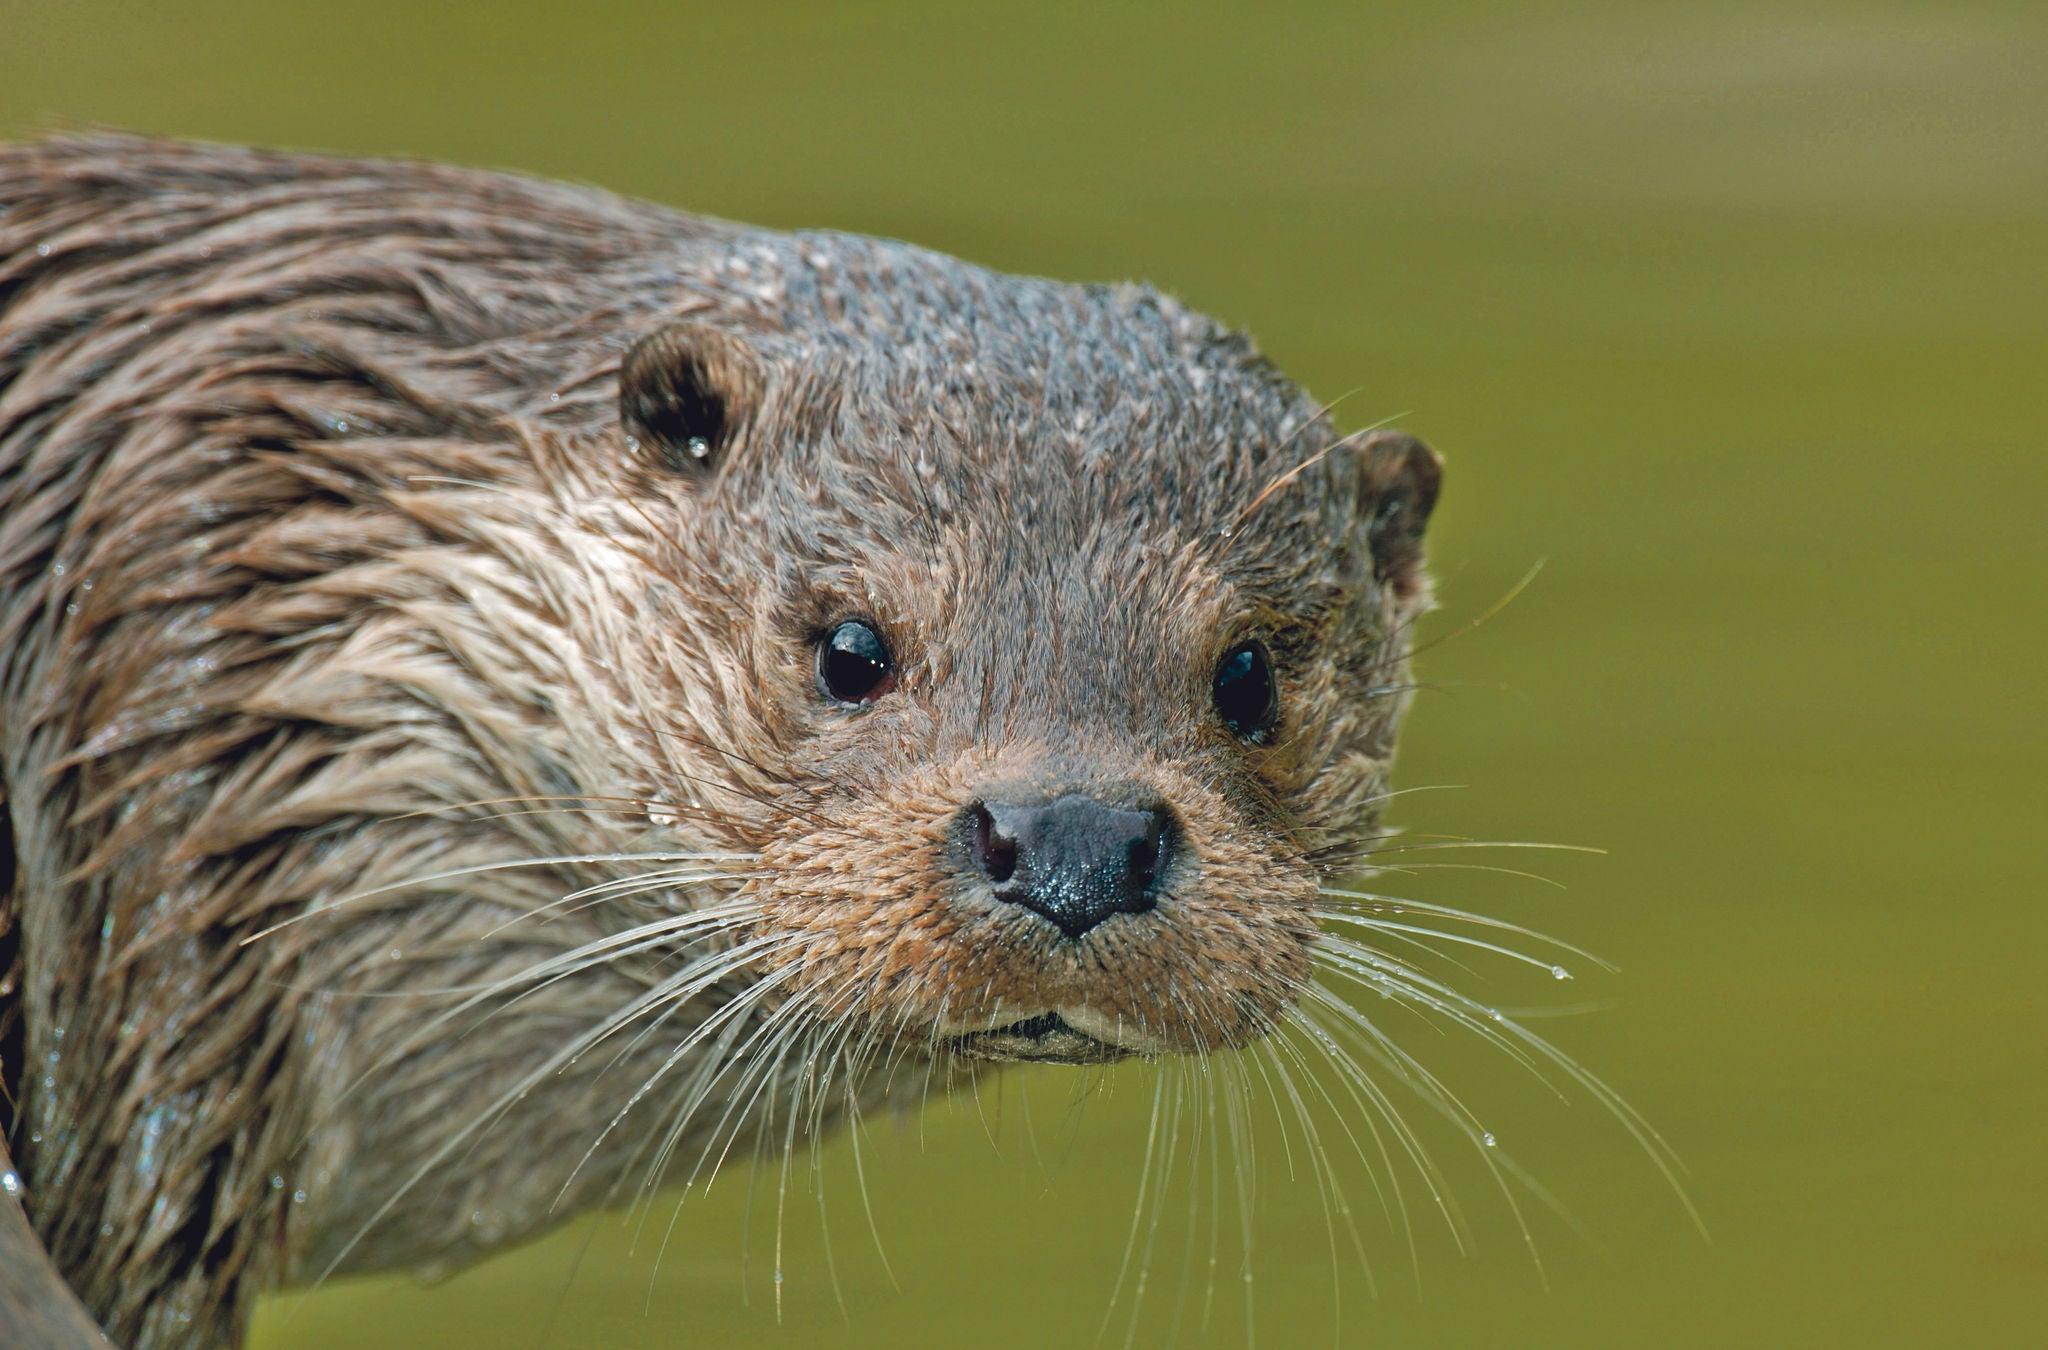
(1045, 1039)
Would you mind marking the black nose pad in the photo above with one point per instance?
(1074, 860)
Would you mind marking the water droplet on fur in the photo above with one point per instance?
(57, 569)
(1489, 1140)
(298, 1197)
(10, 1183)
(71, 608)
(778, 1277)
(1494, 1013)
(554, 398)
(341, 426)
(397, 955)
(1560, 973)
(276, 1182)
(106, 1230)
(658, 817)
(42, 250)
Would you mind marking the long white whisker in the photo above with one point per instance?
(413, 883)
(1459, 939)
(1388, 904)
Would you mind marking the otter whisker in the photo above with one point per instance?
(1145, 1187)
(1184, 1070)
(1210, 1095)
(1411, 989)
(1522, 1045)
(774, 807)
(1393, 1059)
(620, 888)
(1432, 1092)
(762, 1071)
(550, 972)
(789, 1023)
(1419, 944)
(1375, 1101)
(824, 1059)
(1379, 925)
(1514, 593)
(1411, 868)
(1433, 842)
(480, 869)
(464, 1134)
(628, 888)
(620, 803)
(1236, 1088)
(681, 1114)
(1374, 903)
(782, 1028)
(1368, 858)
(855, 1124)
(1169, 1075)
(1285, 1044)
(1342, 442)
(812, 790)
(657, 934)
(716, 1060)
(1373, 1107)
(1329, 1191)
(730, 1011)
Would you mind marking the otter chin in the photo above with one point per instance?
(506, 692)
(1048, 1038)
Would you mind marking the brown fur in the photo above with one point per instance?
(327, 570)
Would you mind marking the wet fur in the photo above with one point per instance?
(326, 566)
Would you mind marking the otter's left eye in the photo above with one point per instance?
(1246, 697)
(854, 664)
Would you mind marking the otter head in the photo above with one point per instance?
(1061, 645)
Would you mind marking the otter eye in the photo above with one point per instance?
(1246, 697)
(854, 664)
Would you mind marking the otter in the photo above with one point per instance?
(507, 692)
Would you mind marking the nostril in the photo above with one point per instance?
(1148, 857)
(994, 851)
(1075, 860)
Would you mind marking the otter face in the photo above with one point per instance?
(1075, 653)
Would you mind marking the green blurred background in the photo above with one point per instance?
(1735, 314)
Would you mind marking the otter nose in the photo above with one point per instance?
(1074, 860)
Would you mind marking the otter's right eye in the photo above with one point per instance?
(1246, 697)
(854, 665)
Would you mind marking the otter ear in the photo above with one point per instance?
(685, 393)
(1398, 481)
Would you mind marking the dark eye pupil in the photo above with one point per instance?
(1245, 695)
(853, 664)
